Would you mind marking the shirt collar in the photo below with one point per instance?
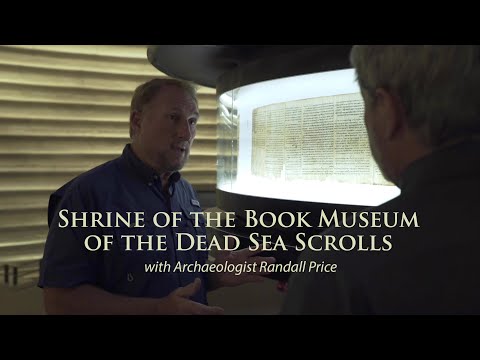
(458, 160)
(142, 170)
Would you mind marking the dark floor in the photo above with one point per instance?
(249, 299)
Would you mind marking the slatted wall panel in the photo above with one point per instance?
(63, 110)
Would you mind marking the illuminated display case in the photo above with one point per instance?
(291, 135)
(299, 138)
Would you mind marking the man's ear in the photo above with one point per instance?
(135, 122)
(392, 112)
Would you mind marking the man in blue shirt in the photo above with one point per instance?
(143, 180)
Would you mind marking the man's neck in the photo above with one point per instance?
(405, 153)
(164, 175)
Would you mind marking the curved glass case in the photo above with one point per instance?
(299, 138)
(291, 135)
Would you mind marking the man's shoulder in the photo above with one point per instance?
(359, 216)
(97, 177)
(96, 180)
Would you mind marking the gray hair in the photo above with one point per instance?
(145, 93)
(439, 85)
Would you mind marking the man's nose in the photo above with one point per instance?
(184, 130)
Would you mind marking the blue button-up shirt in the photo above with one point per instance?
(123, 185)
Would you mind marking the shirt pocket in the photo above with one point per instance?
(126, 267)
(193, 220)
(133, 251)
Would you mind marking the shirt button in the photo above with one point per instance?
(155, 177)
(150, 184)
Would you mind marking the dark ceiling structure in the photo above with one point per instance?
(204, 64)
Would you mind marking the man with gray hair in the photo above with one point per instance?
(422, 114)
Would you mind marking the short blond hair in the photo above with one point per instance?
(145, 92)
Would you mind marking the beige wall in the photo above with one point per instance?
(63, 110)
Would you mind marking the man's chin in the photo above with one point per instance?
(179, 165)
